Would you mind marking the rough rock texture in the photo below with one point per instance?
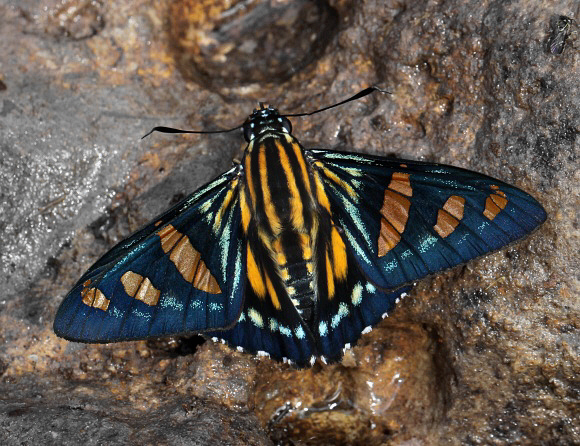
(487, 353)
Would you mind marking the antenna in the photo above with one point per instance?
(162, 129)
(360, 94)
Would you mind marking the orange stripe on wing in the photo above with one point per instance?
(140, 288)
(495, 203)
(187, 260)
(449, 216)
(394, 212)
(93, 297)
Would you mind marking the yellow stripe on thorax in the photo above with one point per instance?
(278, 250)
(273, 219)
(301, 161)
(249, 178)
(296, 207)
(246, 213)
(320, 193)
(305, 244)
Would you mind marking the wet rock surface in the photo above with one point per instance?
(486, 353)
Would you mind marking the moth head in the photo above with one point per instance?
(263, 120)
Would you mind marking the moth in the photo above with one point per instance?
(293, 253)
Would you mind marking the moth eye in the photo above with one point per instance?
(286, 125)
(249, 127)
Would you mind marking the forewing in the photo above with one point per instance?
(181, 273)
(406, 219)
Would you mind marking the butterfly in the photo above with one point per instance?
(293, 253)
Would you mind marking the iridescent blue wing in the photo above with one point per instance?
(181, 273)
(403, 220)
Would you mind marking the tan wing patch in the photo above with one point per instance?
(495, 203)
(449, 216)
(140, 288)
(395, 212)
(400, 182)
(94, 297)
(329, 278)
(187, 260)
(272, 293)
